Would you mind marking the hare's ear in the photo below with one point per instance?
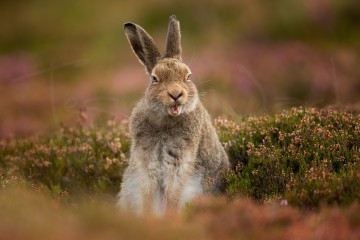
(173, 42)
(143, 45)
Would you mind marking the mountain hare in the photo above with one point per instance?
(175, 152)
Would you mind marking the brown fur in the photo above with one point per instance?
(175, 148)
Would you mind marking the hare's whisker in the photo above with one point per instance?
(202, 82)
(191, 57)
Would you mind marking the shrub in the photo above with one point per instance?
(244, 219)
(72, 161)
(306, 155)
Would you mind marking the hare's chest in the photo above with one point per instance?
(172, 150)
(165, 151)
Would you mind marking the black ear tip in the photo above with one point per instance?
(173, 18)
(129, 26)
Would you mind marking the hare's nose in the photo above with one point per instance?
(175, 97)
(175, 92)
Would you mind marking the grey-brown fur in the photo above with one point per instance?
(175, 151)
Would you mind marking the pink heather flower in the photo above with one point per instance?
(284, 202)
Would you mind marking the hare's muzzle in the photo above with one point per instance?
(175, 92)
(175, 109)
(176, 96)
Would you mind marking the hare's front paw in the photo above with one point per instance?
(172, 155)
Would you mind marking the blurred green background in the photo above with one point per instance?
(62, 58)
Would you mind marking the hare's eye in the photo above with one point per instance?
(154, 80)
(188, 78)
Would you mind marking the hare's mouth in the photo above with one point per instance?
(175, 109)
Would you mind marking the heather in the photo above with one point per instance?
(304, 155)
(295, 173)
(73, 161)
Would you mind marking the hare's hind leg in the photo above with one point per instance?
(140, 194)
(182, 183)
(148, 199)
(130, 196)
(182, 189)
(153, 195)
(192, 189)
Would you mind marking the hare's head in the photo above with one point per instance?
(171, 90)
